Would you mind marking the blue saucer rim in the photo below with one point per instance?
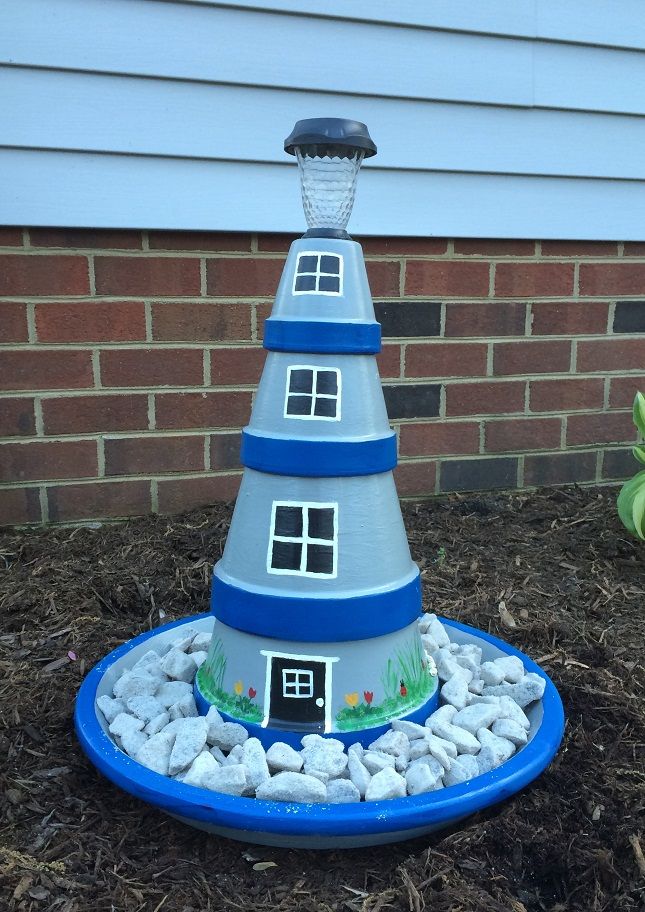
(298, 819)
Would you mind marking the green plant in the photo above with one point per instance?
(631, 500)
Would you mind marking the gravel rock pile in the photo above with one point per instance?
(152, 717)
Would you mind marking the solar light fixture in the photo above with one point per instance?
(330, 151)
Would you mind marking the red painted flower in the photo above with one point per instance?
(403, 690)
(252, 692)
(368, 696)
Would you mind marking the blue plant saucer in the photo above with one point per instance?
(313, 826)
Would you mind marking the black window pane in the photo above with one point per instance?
(330, 264)
(301, 381)
(286, 555)
(288, 521)
(321, 523)
(327, 382)
(325, 408)
(306, 283)
(307, 264)
(329, 283)
(299, 405)
(320, 559)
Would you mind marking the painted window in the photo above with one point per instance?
(318, 273)
(304, 539)
(297, 683)
(313, 393)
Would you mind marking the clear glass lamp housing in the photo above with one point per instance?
(328, 179)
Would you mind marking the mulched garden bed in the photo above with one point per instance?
(552, 572)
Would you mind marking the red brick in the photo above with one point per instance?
(19, 505)
(243, 276)
(415, 478)
(92, 414)
(484, 398)
(225, 451)
(45, 370)
(262, 312)
(403, 246)
(623, 390)
(446, 438)
(634, 248)
(446, 359)
(579, 248)
(13, 322)
(152, 367)
(389, 361)
(569, 318)
(528, 280)
(230, 366)
(17, 417)
(211, 241)
(204, 410)
(141, 455)
(485, 318)
(384, 278)
(276, 243)
(620, 463)
(98, 500)
(531, 357)
(446, 277)
(213, 322)
(612, 278)
(515, 434)
(559, 468)
(178, 494)
(48, 459)
(494, 248)
(10, 237)
(565, 395)
(611, 354)
(43, 275)
(145, 276)
(608, 427)
(85, 237)
(91, 321)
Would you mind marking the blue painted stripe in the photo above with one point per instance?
(322, 337)
(316, 620)
(318, 458)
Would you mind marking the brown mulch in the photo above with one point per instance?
(552, 572)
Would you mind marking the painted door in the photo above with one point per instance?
(297, 694)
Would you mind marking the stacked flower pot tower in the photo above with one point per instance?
(316, 597)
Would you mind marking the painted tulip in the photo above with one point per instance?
(351, 699)
(368, 696)
(238, 687)
(252, 692)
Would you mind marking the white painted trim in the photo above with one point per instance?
(326, 660)
(304, 540)
(318, 273)
(297, 684)
(314, 395)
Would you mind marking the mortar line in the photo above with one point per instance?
(154, 495)
(203, 281)
(152, 412)
(32, 333)
(145, 241)
(44, 503)
(91, 274)
(402, 275)
(26, 239)
(491, 279)
(147, 313)
(207, 367)
(520, 470)
(38, 417)
(100, 456)
(96, 368)
(599, 463)
(611, 314)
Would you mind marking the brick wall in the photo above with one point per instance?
(128, 362)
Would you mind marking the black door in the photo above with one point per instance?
(297, 694)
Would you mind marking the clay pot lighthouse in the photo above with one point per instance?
(316, 597)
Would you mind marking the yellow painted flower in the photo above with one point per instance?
(351, 699)
(238, 687)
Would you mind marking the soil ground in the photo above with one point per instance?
(552, 572)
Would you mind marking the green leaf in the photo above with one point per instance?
(639, 413)
(638, 513)
(626, 498)
(639, 453)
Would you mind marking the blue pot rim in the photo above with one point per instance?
(253, 815)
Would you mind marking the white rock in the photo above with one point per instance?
(455, 691)
(255, 760)
(476, 686)
(530, 688)
(384, 785)
(479, 715)
(437, 631)
(491, 673)
(424, 622)
(191, 738)
(420, 778)
(202, 766)
(325, 754)
(200, 642)
(318, 774)
(155, 753)
(179, 666)
(132, 741)
(135, 684)
(155, 725)
(393, 742)
(150, 662)
(430, 645)
(358, 774)
(217, 753)
(462, 739)
(172, 692)
(511, 730)
(293, 787)
(441, 715)
(124, 723)
(432, 763)
(229, 780)
(508, 709)
(437, 743)
(184, 640)
(418, 749)
(462, 769)
(199, 657)
(342, 791)
(512, 668)
(213, 718)
(110, 707)
(186, 708)
(234, 757)
(437, 750)
(282, 758)
(471, 650)
(468, 662)
(446, 663)
(375, 761)
(226, 735)
(401, 763)
(494, 750)
(145, 708)
(356, 748)
(411, 730)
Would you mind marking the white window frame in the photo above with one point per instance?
(313, 395)
(304, 540)
(303, 678)
(317, 273)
